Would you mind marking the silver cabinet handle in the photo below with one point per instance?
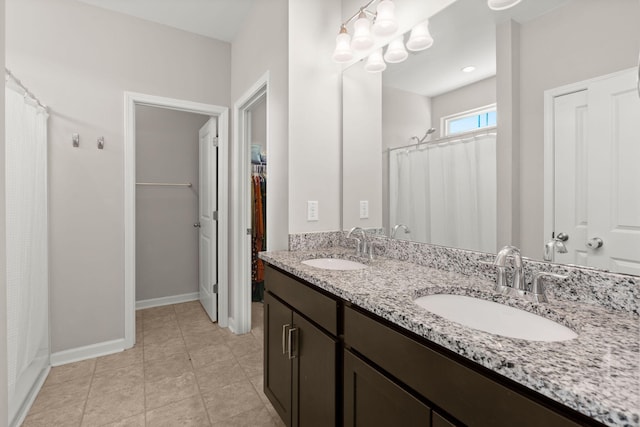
(595, 243)
(284, 338)
(292, 353)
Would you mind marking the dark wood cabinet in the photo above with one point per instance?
(299, 357)
(371, 399)
(328, 363)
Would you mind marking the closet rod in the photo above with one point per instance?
(165, 184)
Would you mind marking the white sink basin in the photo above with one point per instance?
(495, 318)
(334, 264)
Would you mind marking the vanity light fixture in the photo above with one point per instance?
(343, 52)
(420, 37)
(362, 38)
(380, 23)
(468, 69)
(396, 51)
(375, 63)
(385, 23)
(501, 4)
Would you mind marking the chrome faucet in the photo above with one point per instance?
(361, 248)
(538, 291)
(395, 230)
(557, 243)
(517, 285)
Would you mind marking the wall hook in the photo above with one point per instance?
(75, 139)
(100, 142)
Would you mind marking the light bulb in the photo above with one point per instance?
(501, 4)
(375, 63)
(396, 51)
(343, 52)
(420, 37)
(362, 38)
(385, 23)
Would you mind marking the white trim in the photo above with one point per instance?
(240, 323)
(131, 99)
(31, 398)
(173, 299)
(88, 352)
(549, 145)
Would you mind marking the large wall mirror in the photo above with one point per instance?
(421, 141)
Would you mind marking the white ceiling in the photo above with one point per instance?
(464, 34)
(218, 19)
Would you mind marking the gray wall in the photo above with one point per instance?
(166, 241)
(259, 46)
(466, 98)
(80, 59)
(581, 40)
(259, 125)
(4, 399)
(315, 126)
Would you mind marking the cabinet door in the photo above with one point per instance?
(371, 399)
(277, 365)
(314, 375)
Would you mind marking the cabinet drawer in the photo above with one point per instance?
(472, 398)
(316, 306)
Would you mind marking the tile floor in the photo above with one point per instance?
(183, 371)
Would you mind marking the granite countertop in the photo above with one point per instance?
(597, 374)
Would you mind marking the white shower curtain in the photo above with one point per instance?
(27, 266)
(446, 193)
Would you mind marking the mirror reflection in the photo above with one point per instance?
(423, 153)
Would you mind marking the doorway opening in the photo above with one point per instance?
(213, 149)
(251, 145)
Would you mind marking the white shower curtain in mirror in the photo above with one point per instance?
(27, 267)
(446, 193)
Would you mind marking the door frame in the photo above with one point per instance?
(131, 100)
(240, 320)
(549, 143)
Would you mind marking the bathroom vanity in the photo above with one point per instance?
(352, 348)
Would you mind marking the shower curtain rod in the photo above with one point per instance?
(453, 138)
(26, 90)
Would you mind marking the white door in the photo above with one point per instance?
(570, 161)
(208, 215)
(597, 175)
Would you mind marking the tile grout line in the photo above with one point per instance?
(86, 399)
(194, 371)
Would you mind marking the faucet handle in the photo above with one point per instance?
(538, 291)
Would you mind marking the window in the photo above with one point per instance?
(469, 121)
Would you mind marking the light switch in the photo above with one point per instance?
(364, 209)
(312, 210)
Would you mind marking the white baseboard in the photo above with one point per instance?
(174, 299)
(87, 352)
(31, 397)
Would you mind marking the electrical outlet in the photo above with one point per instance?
(364, 209)
(312, 210)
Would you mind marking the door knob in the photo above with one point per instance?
(196, 225)
(595, 243)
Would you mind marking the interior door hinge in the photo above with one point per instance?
(214, 140)
(215, 288)
(249, 231)
(215, 215)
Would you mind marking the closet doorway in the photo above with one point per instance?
(251, 145)
(175, 205)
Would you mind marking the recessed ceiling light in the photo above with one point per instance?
(468, 69)
(502, 4)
